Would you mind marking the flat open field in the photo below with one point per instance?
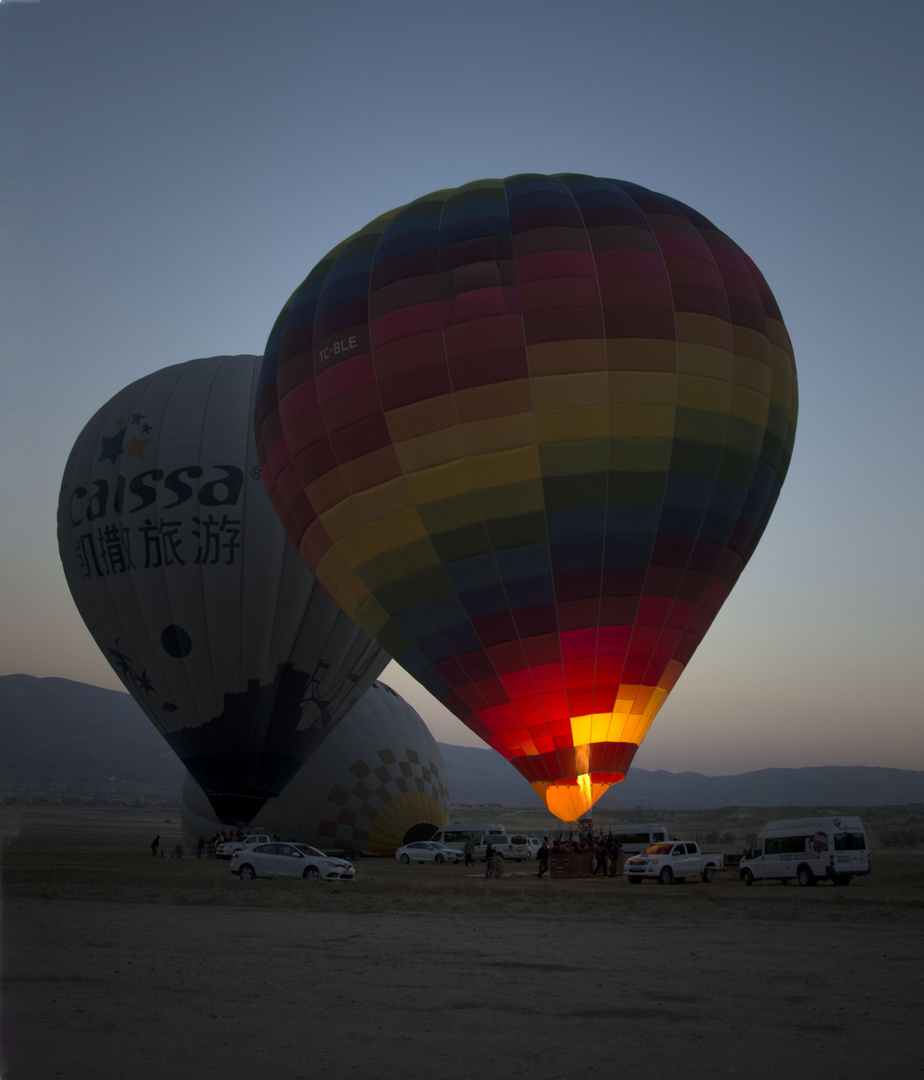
(119, 965)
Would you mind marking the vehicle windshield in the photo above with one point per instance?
(659, 849)
(307, 849)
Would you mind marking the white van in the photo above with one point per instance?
(808, 849)
(456, 835)
(513, 847)
(634, 839)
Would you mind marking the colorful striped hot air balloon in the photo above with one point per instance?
(528, 432)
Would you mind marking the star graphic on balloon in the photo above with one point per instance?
(112, 446)
(134, 448)
(145, 429)
(137, 417)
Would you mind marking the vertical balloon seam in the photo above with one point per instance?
(227, 372)
(608, 472)
(639, 600)
(369, 318)
(388, 558)
(676, 410)
(609, 415)
(269, 665)
(476, 492)
(544, 765)
(437, 633)
(217, 692)
(150, 385)
(726, 425)
(270, 658)
(655, 531)
(267, 377)
(707, 500)
(621, 188)
(268, 684)
(136, 393)
(180, 393)
(568, 690)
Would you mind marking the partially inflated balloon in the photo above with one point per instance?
(180, 570)
(376, 783)
(528, 433)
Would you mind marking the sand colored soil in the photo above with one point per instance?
(130, 967)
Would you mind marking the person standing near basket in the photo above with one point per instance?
(469, 852)
(543, 856)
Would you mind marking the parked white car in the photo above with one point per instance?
(289, 860)
(421, 851)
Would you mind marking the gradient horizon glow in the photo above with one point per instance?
(171, 171)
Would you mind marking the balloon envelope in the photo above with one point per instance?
(377, 782)
(528, 433)
(180, 569)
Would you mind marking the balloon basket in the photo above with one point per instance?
(571, 864)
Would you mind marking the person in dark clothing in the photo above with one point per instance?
(599, 858)
(543, 856)
(155, 844)
(489, 860)
(614, 857)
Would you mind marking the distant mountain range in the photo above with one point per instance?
(59, 737)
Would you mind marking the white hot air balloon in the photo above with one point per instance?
(376, 783)
(185, 578)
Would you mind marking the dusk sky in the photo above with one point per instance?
(170, 172)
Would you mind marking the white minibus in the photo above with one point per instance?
(456, 835)
(808, 849)
(634, 839)
(514, 847)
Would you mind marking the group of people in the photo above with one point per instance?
(203, 846)
(605, 851)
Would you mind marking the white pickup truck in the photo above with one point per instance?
(675, 860)
(227, 848)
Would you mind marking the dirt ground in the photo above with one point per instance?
(117, 965)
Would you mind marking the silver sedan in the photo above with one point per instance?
(289, 860)
(421, 851)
